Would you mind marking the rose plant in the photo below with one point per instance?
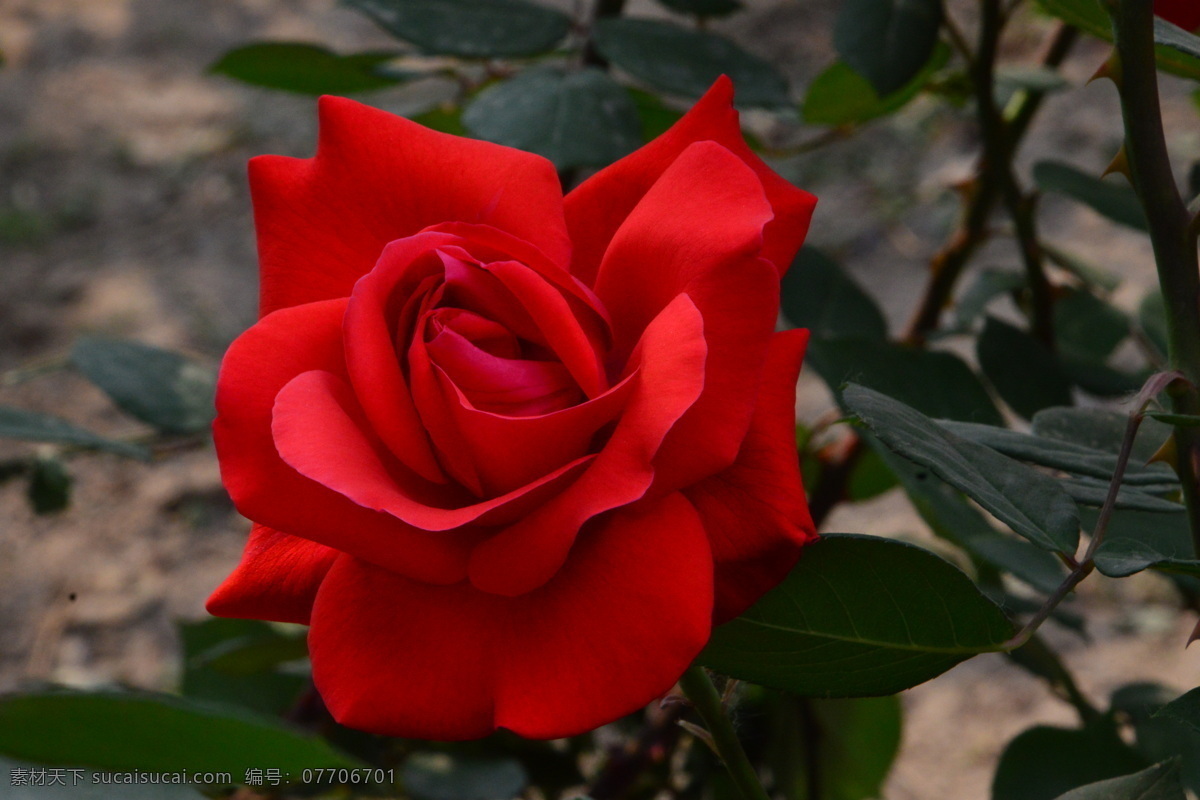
(511, 454)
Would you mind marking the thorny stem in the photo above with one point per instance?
(1087, 564)
(1171, 230)
(981, 194)
(704, 696)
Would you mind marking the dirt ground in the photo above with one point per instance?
(124, 210)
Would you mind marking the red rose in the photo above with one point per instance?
(1184, 13)
(511, 454)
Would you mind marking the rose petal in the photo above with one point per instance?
(699, 230)
(670, 363)
(613, 631)
(276, 580)
(755, 512)
(321, 433)
(377, 177)
(598, 207)
(265, 489)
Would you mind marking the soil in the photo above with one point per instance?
(124, 210)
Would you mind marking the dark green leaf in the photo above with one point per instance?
(1137, 540)
(1042, 80)
(161, 388)
(17, 423)
(155, 733)
(1160, 782)
(990, 283)
(305, 68)
(840, 96)
(1117, 201)
(1104, 429)
(234, 661)
(816, 294)
(1089, 16)
(49, 486)
(1021, 369)
(957, 521)
(1159, 738)
(447, 119)
(1152, 318)
(1029, 502)
(834, 749)
(1100, 379)
(16, 783)
(1087, 272)
(871, 477)
(1181, 420)
(1088, 326)
(1185, 709)
(703, 8)
(575, 119)
(687, 62)
(655, 115)
(1093, 491)
(470, 28)
(887, 41)
(859, 615)
(937, 384)
(1176, 38)
(1044, 762)
(441, 776)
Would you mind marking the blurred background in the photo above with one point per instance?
(124, 212)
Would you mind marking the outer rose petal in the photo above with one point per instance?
(699, 230)
(598, 207)
(755, 512)
(1184, 13)
(276, 580)
(258, 365)
(613, 630)
(322, 222)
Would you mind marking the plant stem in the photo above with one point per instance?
(1170, 227)
(704, 696)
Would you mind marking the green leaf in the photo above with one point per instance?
(1042, 80)
(1103, 429)
(17, 423)
(575, 119)
(1159, 738)
(1100, 379)
(840, 96)
(1043, 762)
(1160, 782)
(161, 388)
(1138, 540)
(1175, 37)
(833, 749)
(887, 41)
(61, 783)
(1185, 709)
(1089, 16)
(442, 776)
(305, 68)
(656, 117)
(816, 294)
(444, 118)
(1181, 420)
(859, 615)
(1116, 201)
(1152, 318)
(235, 660)
(1093, 491)
(952, 518)
(470, 28)
(118, 731)
(1030, 503)
(49, 486)
(1058, 454)
(1087, 272)
(1023, 371)
(703, 8)
(989, 284)
(687, 62)
(870, 478)
(1086, 325)
(937, 384)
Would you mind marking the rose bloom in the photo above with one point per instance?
(1184, 13)
(512, 454)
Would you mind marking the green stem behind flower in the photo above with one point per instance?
(700, 690)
